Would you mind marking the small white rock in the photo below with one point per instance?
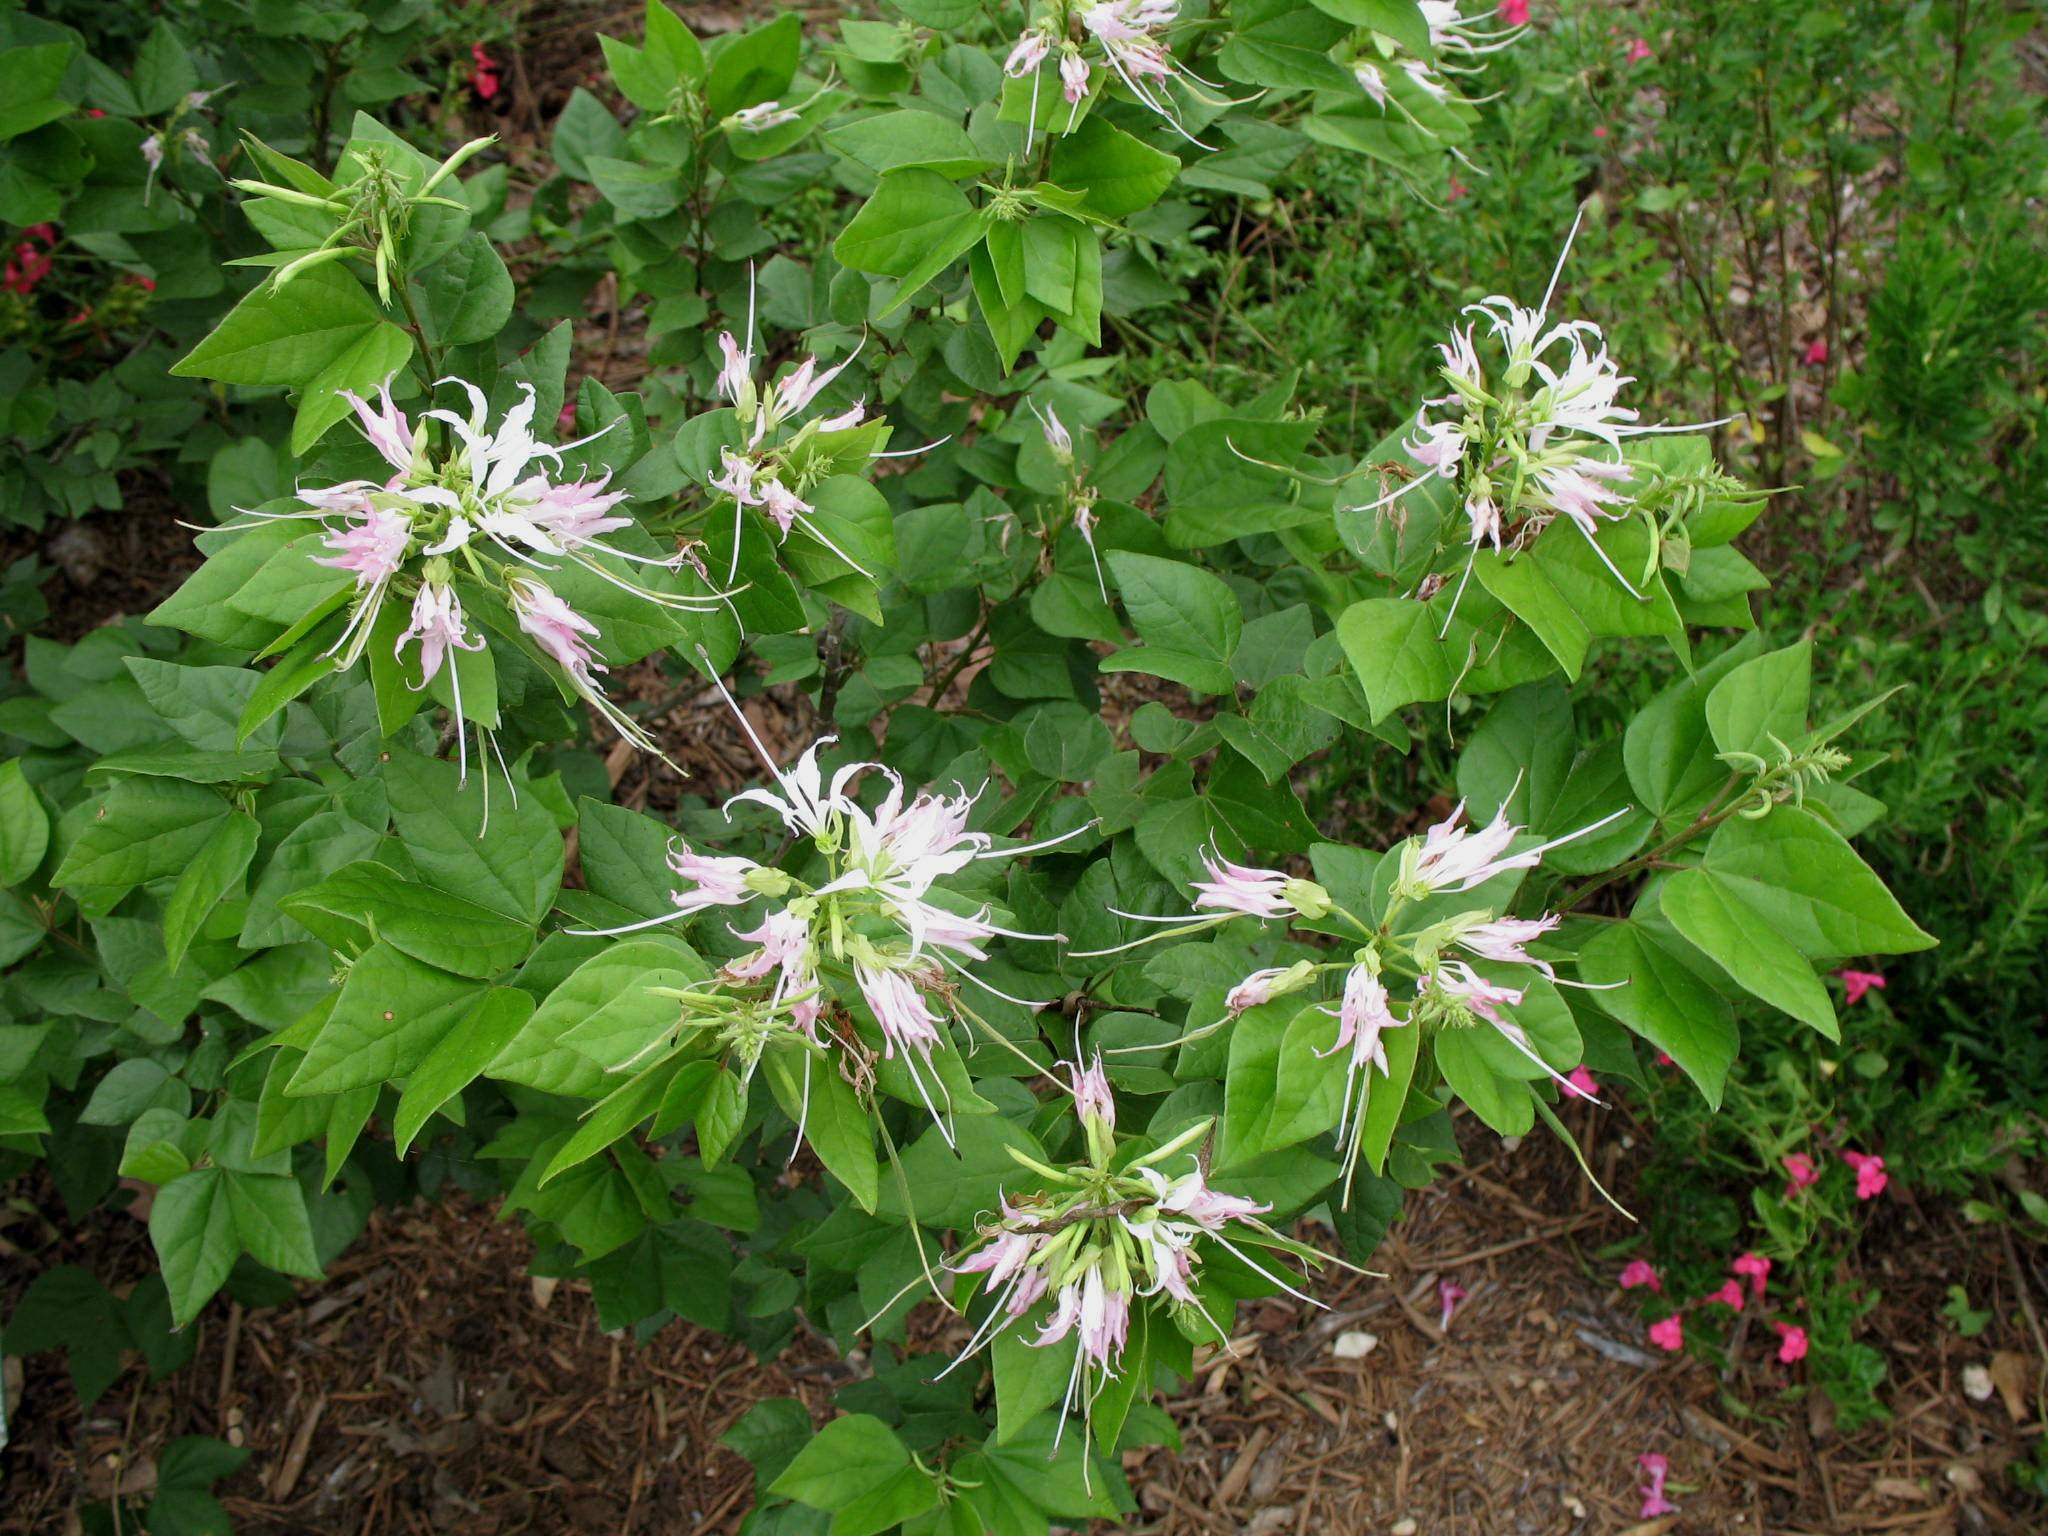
(1977, 1384)
(1355, 1344)
(1403, 1528)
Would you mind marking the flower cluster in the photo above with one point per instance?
(29, 265)
(1119, 36)
(1097, 1243)
(770, 471)
(1079, 496)
(1386, 72)
(1538, 439)
(482, 515)
(1749, 1278)
(878, 926)
(1448, 991)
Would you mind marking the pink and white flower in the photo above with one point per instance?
(438, 625)
(1453, 857)
(1242, 889)
(1654, 1502)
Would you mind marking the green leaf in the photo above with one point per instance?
(371, 360)
(751, 68)
(24, 826)
(286, 338)
(33, 76)
(1278, 1091)
(634, 189)
(144, 829)
(217, 869)
(516, 870)
(1386, 1097)
(858, 1470)
(606, 1003)
(835, 1123)
(1810, 887)
(271, 1221)
(1711, 914)
(1117, 174)
(1178, 607)
(911, 213)
(374, 902)
(1401, 20)
(611, 1118)
(391, 1013)
(1762, 700)
(1652, 989)
(1502, 1101)
(466, 296)
(491, 1024)
(892, 141)
(1667, 749)
(1029, 1379)
(672, 46)
(192, 1225)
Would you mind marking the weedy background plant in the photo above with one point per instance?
(1100, 936)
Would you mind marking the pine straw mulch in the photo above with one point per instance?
(430, 1384)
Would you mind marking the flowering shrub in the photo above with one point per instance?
(314, 872)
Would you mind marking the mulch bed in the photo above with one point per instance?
(430, 1384)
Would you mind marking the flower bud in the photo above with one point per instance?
(1307, 898)
(767, 881)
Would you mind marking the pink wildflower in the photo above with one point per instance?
(1870, 1175)
(1638, 50)
(1254, 991)
(1025, 58)
(1793, 1349)
(1669, 1334)
(1514, 13)
(1639, 1272)
(1242, 889)
(1449, 1295)
(1817, 353)
(556, 628)
(1755, 1268)
(1456, 190)
(1092, 1096)
(1859, 983)
(370, 550)
(1654, 1502)
(1582, 1083)
(437, 624)
(1600, 132)
(1730, 1295)
(1664, 1059)
(1801, 1170)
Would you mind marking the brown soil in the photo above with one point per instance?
(431, 1384)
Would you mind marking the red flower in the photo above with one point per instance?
(1856, 983)
(1600, 132)
(483, 78)
(1514, 13)
(1640, 1272)
(1794, 1346)
(1730, 1295)
(1802, 1171)
(1870, 1175)
(1815, 356)
(1669, 1335)
(1757, 1269)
